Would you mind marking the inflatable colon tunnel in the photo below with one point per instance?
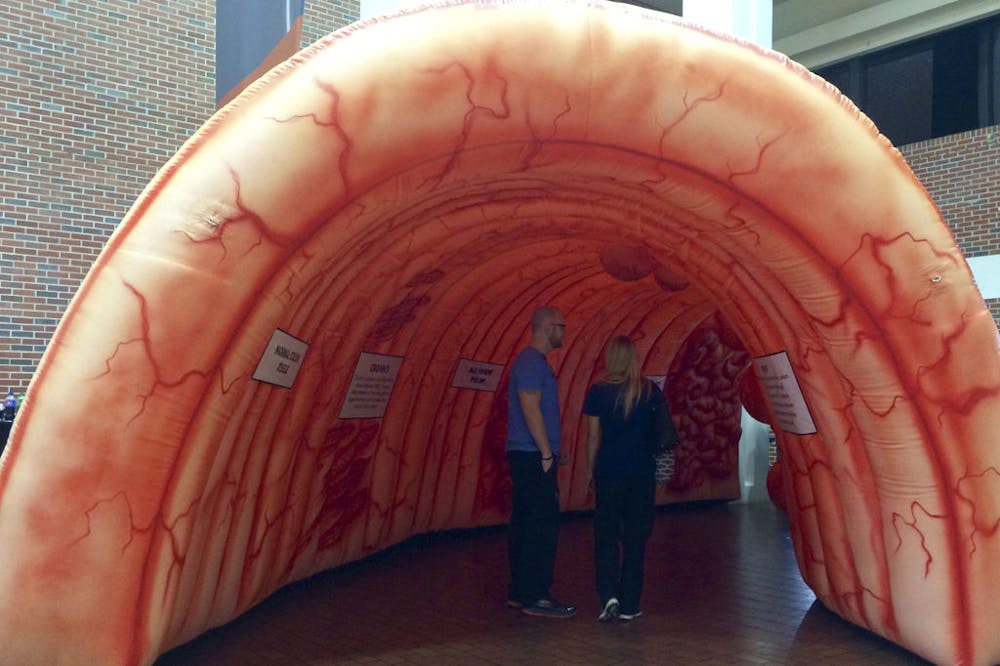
(281, 345)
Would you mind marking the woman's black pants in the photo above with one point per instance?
(623, 521)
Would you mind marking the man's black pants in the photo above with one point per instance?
(534, 527)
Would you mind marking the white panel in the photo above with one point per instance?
(986, 270)
(880, 26)
(792, 16)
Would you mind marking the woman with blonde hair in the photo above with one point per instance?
(619, 413)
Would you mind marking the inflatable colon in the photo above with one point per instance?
(272, 367)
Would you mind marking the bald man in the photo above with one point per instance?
(533, 438)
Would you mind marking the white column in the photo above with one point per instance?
(749, 20)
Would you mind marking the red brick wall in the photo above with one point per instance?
(994, 305)
(95, 95)
(961, 172)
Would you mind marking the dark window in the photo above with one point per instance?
(899, 94)
(956, 65)
(938, 85)
(838, 75)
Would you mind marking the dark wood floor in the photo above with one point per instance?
(721, 588)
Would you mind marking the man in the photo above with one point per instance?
(533, 439)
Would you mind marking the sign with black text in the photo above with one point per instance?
(370, 389)
(281, 360)
(789, 405)
(477, 375)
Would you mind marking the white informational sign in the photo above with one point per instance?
(477, 375)
(281, 360)
(371, 386)
(776, 375)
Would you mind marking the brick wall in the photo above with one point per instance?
(994, 305)
(325, 16)
(961, 172)
(95, 95)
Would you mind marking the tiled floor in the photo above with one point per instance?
(721, 588)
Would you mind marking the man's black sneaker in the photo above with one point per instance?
(549, 607)
(628, 617)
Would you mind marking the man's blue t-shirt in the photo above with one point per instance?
(531, 372)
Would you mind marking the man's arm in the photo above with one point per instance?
(531, 407)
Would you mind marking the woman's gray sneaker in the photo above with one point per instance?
(609, 611)
(549, 607)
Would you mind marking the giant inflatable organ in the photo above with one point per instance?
(292, 350)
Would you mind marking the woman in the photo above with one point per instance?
(619, 410)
